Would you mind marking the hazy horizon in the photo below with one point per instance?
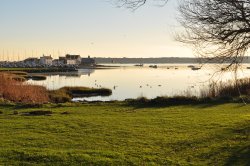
(97, 28)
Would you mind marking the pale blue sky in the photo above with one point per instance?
(87, 27)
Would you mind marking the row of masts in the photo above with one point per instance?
(19, 55)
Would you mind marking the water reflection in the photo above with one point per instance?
(132, 82)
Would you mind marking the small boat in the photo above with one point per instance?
(196, 68)
(153, 66)
(139, 65)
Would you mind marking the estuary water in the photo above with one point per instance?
(133, 81)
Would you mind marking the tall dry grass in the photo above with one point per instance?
(233, 88)
(17, 91)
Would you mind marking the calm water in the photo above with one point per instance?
(132, 82)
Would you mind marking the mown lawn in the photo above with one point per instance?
(118, 134)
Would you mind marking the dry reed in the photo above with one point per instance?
(18, 91)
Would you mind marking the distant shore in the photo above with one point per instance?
(160, 60)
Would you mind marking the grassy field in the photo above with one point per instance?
(119, 134)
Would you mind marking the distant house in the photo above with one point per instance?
(88, 61)
(46, 60)
(71, 62)
(67, 61)
(73, 59)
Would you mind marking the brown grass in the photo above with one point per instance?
(232, 88)
(17, 91)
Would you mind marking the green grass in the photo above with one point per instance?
(119, 134)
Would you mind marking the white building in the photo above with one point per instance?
(46, 60)
(76, 58)
(71, 62)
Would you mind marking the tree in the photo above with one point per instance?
(219, 30)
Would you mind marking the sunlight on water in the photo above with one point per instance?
(133, 82)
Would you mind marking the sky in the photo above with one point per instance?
(88, 27)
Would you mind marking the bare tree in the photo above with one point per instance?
(219, 30)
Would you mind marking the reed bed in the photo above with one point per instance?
(229, 89)
(20, 92)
